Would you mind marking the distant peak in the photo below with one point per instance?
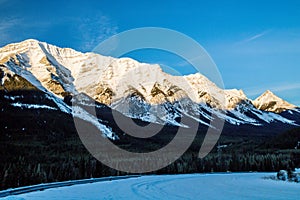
(268, 92)
(269, 95)
(268, 101)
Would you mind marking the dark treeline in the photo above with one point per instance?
(40, 164)
(34, 156)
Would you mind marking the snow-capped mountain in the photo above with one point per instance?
(138, 90)
(268, 101)
(107, 79)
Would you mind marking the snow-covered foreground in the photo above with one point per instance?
(191, 186)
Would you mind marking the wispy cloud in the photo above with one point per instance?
(88, 31)
(6, 27)
(93, 30)
(254, 91)
(254, 37)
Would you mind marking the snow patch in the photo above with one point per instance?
(32, 106)
(82, 114)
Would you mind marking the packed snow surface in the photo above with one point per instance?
(191, 186)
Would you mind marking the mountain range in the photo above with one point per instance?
(137, 90)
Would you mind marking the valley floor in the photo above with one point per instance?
(190, 186)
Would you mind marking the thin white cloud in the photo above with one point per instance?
(254, 37)
(254, 91)
(6, 27)
(94, 30)
(6, 24)
(89, 31)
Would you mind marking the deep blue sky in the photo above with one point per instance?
(255, 44)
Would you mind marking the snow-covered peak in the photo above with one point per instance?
(234, 97)
(268, 101)
(53, 68)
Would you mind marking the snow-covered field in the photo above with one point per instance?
(191, 186)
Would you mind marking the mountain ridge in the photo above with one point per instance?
(132, 87)
(17, 52)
